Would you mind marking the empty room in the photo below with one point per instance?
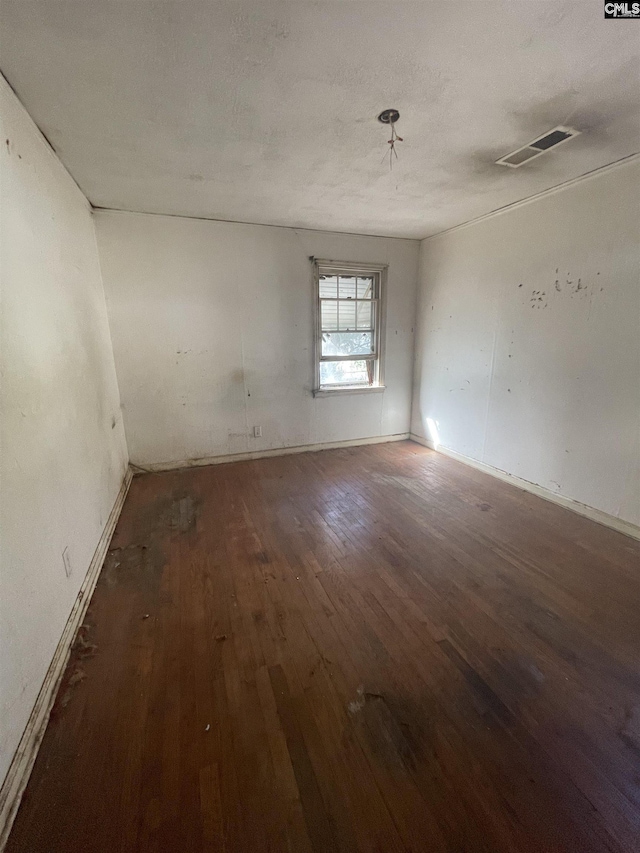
(320, 426)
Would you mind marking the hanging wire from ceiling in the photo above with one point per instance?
(390, 117)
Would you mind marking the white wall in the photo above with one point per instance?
(62, 462)
(212, 333)
(528, 346)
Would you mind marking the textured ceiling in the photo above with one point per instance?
(266, 111)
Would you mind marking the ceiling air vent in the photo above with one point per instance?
(538, 147)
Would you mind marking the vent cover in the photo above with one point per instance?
(538, 147)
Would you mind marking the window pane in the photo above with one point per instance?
(364, 315)
(347, 317)
(347, 343)
(365, 287)
(344, 373)
(347, 287)
(329, 315)
(328, 286)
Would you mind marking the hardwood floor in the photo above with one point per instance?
(372, 649)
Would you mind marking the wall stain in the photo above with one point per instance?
(538, 299)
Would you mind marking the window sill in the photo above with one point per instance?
(348, 389)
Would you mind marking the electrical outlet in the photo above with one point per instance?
(66, 559)
(257, 432)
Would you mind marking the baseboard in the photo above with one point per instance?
(264, 454)
(25, 755)
(590, 512)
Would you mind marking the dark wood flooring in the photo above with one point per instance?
(372, 649)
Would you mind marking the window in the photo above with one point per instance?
(348, 337)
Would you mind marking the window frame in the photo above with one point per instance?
(350, 268)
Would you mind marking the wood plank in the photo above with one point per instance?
(371, 648)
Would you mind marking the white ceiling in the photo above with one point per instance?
(262, 111)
